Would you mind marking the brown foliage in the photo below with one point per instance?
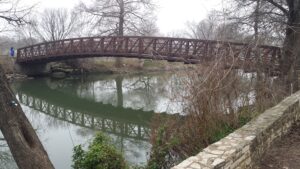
(216, 102)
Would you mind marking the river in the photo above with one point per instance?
(70, 111)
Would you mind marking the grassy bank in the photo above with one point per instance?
(129, 65)
(7, 64)
(102, 65)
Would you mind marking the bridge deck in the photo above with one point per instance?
(158, 48)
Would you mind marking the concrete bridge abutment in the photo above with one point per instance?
(33, 69)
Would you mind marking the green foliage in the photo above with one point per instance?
(161, 149)
(100, 155)
(222, 132)
(244, 119)
(227, 128)
(78, 157)
(168, 142)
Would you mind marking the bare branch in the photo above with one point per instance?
(280, 7)
(119, 16)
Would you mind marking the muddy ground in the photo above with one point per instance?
(284, 153)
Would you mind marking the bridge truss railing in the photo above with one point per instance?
(171, 49)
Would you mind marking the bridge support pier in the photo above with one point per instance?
(36, 69)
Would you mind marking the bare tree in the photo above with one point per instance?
(12, 13)
(146, 28)
(230, 32)
(291, 51)
(267, 17)
(213, 27)
(205, 29)
(56, 24)
(21, 138)
(119, 17)
(26, 35)
(263, 22)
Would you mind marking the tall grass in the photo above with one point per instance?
(216, 101)
(7, 63)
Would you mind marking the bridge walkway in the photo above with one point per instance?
(189, 51)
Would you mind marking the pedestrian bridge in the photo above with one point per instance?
(189, 51)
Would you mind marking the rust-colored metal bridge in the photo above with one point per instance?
(159, 48)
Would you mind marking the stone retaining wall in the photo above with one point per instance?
(243, 148)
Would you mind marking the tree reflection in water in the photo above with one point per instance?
(69, 112)
(6, 158)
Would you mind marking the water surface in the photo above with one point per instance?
(69, 112)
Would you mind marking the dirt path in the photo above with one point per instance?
(285, 153)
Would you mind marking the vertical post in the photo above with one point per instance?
(47, 49)
(72, 45)
(170, 47)
(31, 52)
(273, 59)
(179, 51)
(62, 48)
(154, 45)
(141, 46)
(210, 51)
(102, 44)
(206, 50)
(39, 50)
(195, 47)
(25, 53)
(81, 46)
(187, 48)
(126, 44)
(91, 45)
(114, 44)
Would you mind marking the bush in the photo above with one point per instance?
(216, 101)
(100, 155)
(161, 155)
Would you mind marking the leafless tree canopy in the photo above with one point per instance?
(119, 17)
(263, 21)
(56, 24)
(12, 12)
(205, 29)
(214, 28)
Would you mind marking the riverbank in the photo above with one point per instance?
(8, 65)
(96, 66)
(107, 66)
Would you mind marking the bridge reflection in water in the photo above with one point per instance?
(68, 112)
(87, 120)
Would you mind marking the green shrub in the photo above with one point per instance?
(100, 155)
(161, 150)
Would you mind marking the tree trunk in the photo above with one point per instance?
(119, 81)
(259, 86)
(121, 18)
(291, 50)
(119, 61)
(22, 140)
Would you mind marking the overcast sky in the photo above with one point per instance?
(172, 15)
